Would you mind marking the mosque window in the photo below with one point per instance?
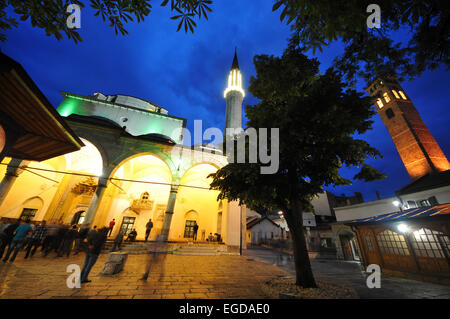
(380, 103)
(395, 94)
(392, 243)
(28, 214)
(402, 95)
(127, 225)
(386, 97)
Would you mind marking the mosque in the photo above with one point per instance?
(133, 167)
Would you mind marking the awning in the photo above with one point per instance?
(40, 132)
(429, 211)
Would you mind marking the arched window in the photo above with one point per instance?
(395, 94)
(386, 97)
(389, 113)
(392, 243)
(78, 218)
(430, 243)
(402, 95)
(380, 103)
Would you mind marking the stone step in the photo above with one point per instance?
(198, 248)
(195, 253)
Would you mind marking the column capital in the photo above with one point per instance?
(174, 188)
(11, 174)
(102, 182)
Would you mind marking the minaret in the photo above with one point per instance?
(418, 149)
(234, 94)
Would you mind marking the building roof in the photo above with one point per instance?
(429, 181)
(41, 133)
(256, 221)
(105, 122)
(430, 211)
(235, 64)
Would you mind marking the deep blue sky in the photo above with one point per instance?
(186, 74)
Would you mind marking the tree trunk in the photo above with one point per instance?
(294, 219)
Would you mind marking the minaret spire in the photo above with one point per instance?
(234, 95)
(235, 64)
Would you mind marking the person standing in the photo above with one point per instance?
(92, 233)
(37, 238)
(50, 238)
(19, 237)
(148, 228)
(68, 239)
(117, 241)
(7, 236)
(111, 226)
(79, 241)
(195, 231)
(95, 244)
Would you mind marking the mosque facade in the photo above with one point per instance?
(133, 168)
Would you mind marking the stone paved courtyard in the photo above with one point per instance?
(172, 276)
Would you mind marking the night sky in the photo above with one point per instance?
(186, 74)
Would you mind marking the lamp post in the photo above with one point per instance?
(398, 204)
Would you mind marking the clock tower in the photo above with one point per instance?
(418, 149)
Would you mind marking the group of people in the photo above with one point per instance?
(17, 235)
(132, 235)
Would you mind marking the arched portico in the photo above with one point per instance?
(194, 195)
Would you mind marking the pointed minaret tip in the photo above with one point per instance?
(235, 64)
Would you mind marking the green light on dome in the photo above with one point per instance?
(68, 107)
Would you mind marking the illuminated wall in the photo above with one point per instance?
(197, 204)
(145, 168)
(137, 121)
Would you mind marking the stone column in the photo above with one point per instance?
(12, 172)
(169, 212)
(96, 199)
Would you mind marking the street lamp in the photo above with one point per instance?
(403, 228)
(397, 204)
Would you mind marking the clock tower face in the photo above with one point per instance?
(2, 138)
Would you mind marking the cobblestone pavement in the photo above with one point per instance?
(172, 276)
(350, 274)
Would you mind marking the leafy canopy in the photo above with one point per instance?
(317, 117)
(52, 16)
(370, 53)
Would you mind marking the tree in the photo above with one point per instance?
(317, 118)
(52, 16)
(370, 53)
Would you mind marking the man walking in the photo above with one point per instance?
(148, 228)
(111, 226)
(79, 240)
(19, 237)
(7, 236)
(95, 244)
(117, 241)
(68, 239)
(50, 238)
(36, 239)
